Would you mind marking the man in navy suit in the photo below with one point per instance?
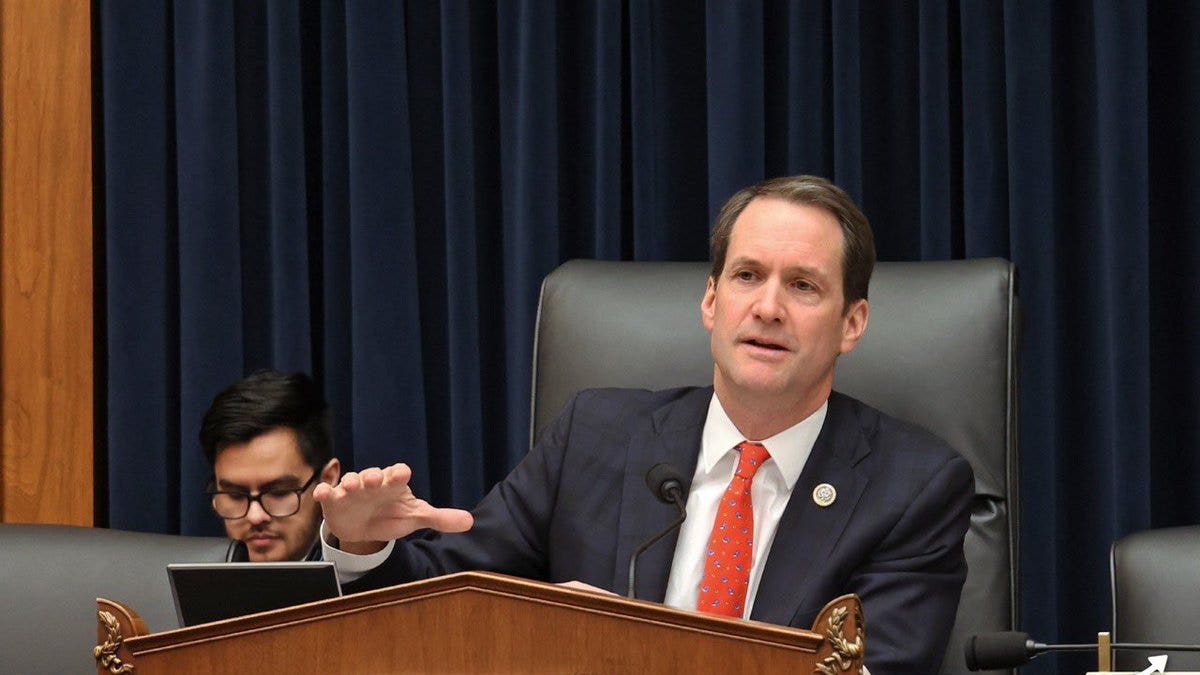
(847, 499)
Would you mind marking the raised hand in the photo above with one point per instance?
(377, 505)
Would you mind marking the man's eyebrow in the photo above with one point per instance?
(805, 270)
(744, 260)
(281, 483)
(798, 270)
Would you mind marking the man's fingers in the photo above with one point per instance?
(394, 478)
(449, 520)
(396, 475)
(421, 516)
(399, 474)
(378, 503)
(580, 586)
(321, 492)
(350, 482)
(371, 478)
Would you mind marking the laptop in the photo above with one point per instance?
(206, 592)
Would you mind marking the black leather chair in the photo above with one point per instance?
(51, 575)
(1156, 595)
(940, 351)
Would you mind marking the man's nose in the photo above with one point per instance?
(768, 306)
(257, 514)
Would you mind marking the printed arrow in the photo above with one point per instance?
(1158, 664)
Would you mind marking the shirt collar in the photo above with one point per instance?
(789, 448)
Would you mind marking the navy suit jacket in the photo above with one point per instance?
(577, 506)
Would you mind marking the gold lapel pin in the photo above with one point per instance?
(824, 495)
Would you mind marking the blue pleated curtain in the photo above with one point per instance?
(372, 192)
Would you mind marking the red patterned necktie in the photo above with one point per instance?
(729, 555)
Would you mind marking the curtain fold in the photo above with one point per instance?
(939, 125)
(386, 365)
(735, 98)
(1174, 161)
(529, 182)
(463, 404)
(209, 221)
(141, 242)
(372, 192)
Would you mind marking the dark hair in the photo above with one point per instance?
(858, 244)
(264, 401)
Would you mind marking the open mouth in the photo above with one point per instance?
(762, 344)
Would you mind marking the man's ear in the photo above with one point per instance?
(332, 472)
(708, 305)
(854, 324)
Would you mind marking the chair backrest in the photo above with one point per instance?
(51, 575)
(940, 351)
(1155, 577)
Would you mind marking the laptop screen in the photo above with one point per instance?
(206, 592)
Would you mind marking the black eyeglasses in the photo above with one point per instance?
(277, 503)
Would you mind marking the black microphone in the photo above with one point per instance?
(1010, 649)
(666, 482)
(1006, 649)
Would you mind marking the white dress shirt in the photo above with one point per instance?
(718, 459)
(351, 566)
(769, 494)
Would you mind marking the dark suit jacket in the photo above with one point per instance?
(577, 506)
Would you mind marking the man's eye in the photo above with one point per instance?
(802, 285)
(280, 494)
(239, 496)
(744, 275)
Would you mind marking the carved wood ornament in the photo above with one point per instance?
(847, 654)
(106, 652)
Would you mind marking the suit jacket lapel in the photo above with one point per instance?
(807, 533)
(671, 435)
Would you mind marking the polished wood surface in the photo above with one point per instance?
(481, 623)
(46, 375)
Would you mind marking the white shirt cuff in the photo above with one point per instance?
(351, 566)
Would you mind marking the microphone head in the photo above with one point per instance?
(1006, 649)
(662, 479)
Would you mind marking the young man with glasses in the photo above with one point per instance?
(268, 441)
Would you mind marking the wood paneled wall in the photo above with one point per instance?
(46, 351)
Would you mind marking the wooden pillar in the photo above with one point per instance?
(46, 372)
